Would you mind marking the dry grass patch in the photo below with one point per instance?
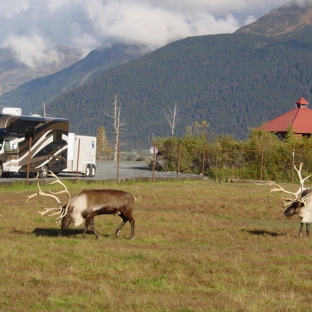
(200, 246)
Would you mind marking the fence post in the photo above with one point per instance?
(154, 162)
(261, 164)
(118, 160)
(77, 165)
(179, 157)
(28, 161)
(203, 164)
(216, 163)
(293, 164)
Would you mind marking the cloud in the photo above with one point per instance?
(302, 2)
(31, 51)
(154, 27)
(12, 7)
(32, 28)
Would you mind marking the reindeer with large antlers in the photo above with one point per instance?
(300, 204)
(88, 204)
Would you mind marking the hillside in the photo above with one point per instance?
(288, 20)
(232, 81)
(14, 74)
(31, 95)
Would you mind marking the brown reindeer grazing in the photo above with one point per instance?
(301, 204)
(90, 203)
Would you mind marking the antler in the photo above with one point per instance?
(297, 194)
(300, 177)
(61, 211)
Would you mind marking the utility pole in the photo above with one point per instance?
(44, 110)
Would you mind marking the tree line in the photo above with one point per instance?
(220, 157)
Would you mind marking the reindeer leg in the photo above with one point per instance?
(308, 229)
(125, 219)
(132, 222)
(88, 222)
(121, 225)
(93, 229)
(85, 229)
(300, 230)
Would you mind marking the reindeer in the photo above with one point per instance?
(301, 204)
(88, 204)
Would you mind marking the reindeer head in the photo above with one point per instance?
(294, 208)
(66, 221)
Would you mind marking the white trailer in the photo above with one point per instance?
(81, 154)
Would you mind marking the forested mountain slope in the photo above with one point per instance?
(233, 81)
(31, 95)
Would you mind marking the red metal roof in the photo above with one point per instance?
(302, 101)
(299, 118)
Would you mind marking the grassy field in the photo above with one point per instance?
(199, 246)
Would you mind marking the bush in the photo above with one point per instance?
(261, 156)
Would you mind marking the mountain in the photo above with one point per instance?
(14, 74)
(288, 20)
(31, 95)
(233, 81)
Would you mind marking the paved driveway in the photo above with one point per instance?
(107, 170)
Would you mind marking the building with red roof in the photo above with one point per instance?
(299, 119)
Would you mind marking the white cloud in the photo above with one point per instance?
(302, 2)
(31, 27)
(12, 7)
(31, 51)
(249, 20)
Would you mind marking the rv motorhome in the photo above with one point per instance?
(38, 144)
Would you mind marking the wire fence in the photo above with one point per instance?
(222, 164)
(210, 162)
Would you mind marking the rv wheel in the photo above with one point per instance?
(87, 173)
(92, 171)
(1, 170)
(44, 173)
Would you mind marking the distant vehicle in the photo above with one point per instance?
(39, 144)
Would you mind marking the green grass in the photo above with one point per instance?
(200, 246)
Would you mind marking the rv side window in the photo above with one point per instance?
(7, 145)
(12, 126)
(29, 133)
(57, 136)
